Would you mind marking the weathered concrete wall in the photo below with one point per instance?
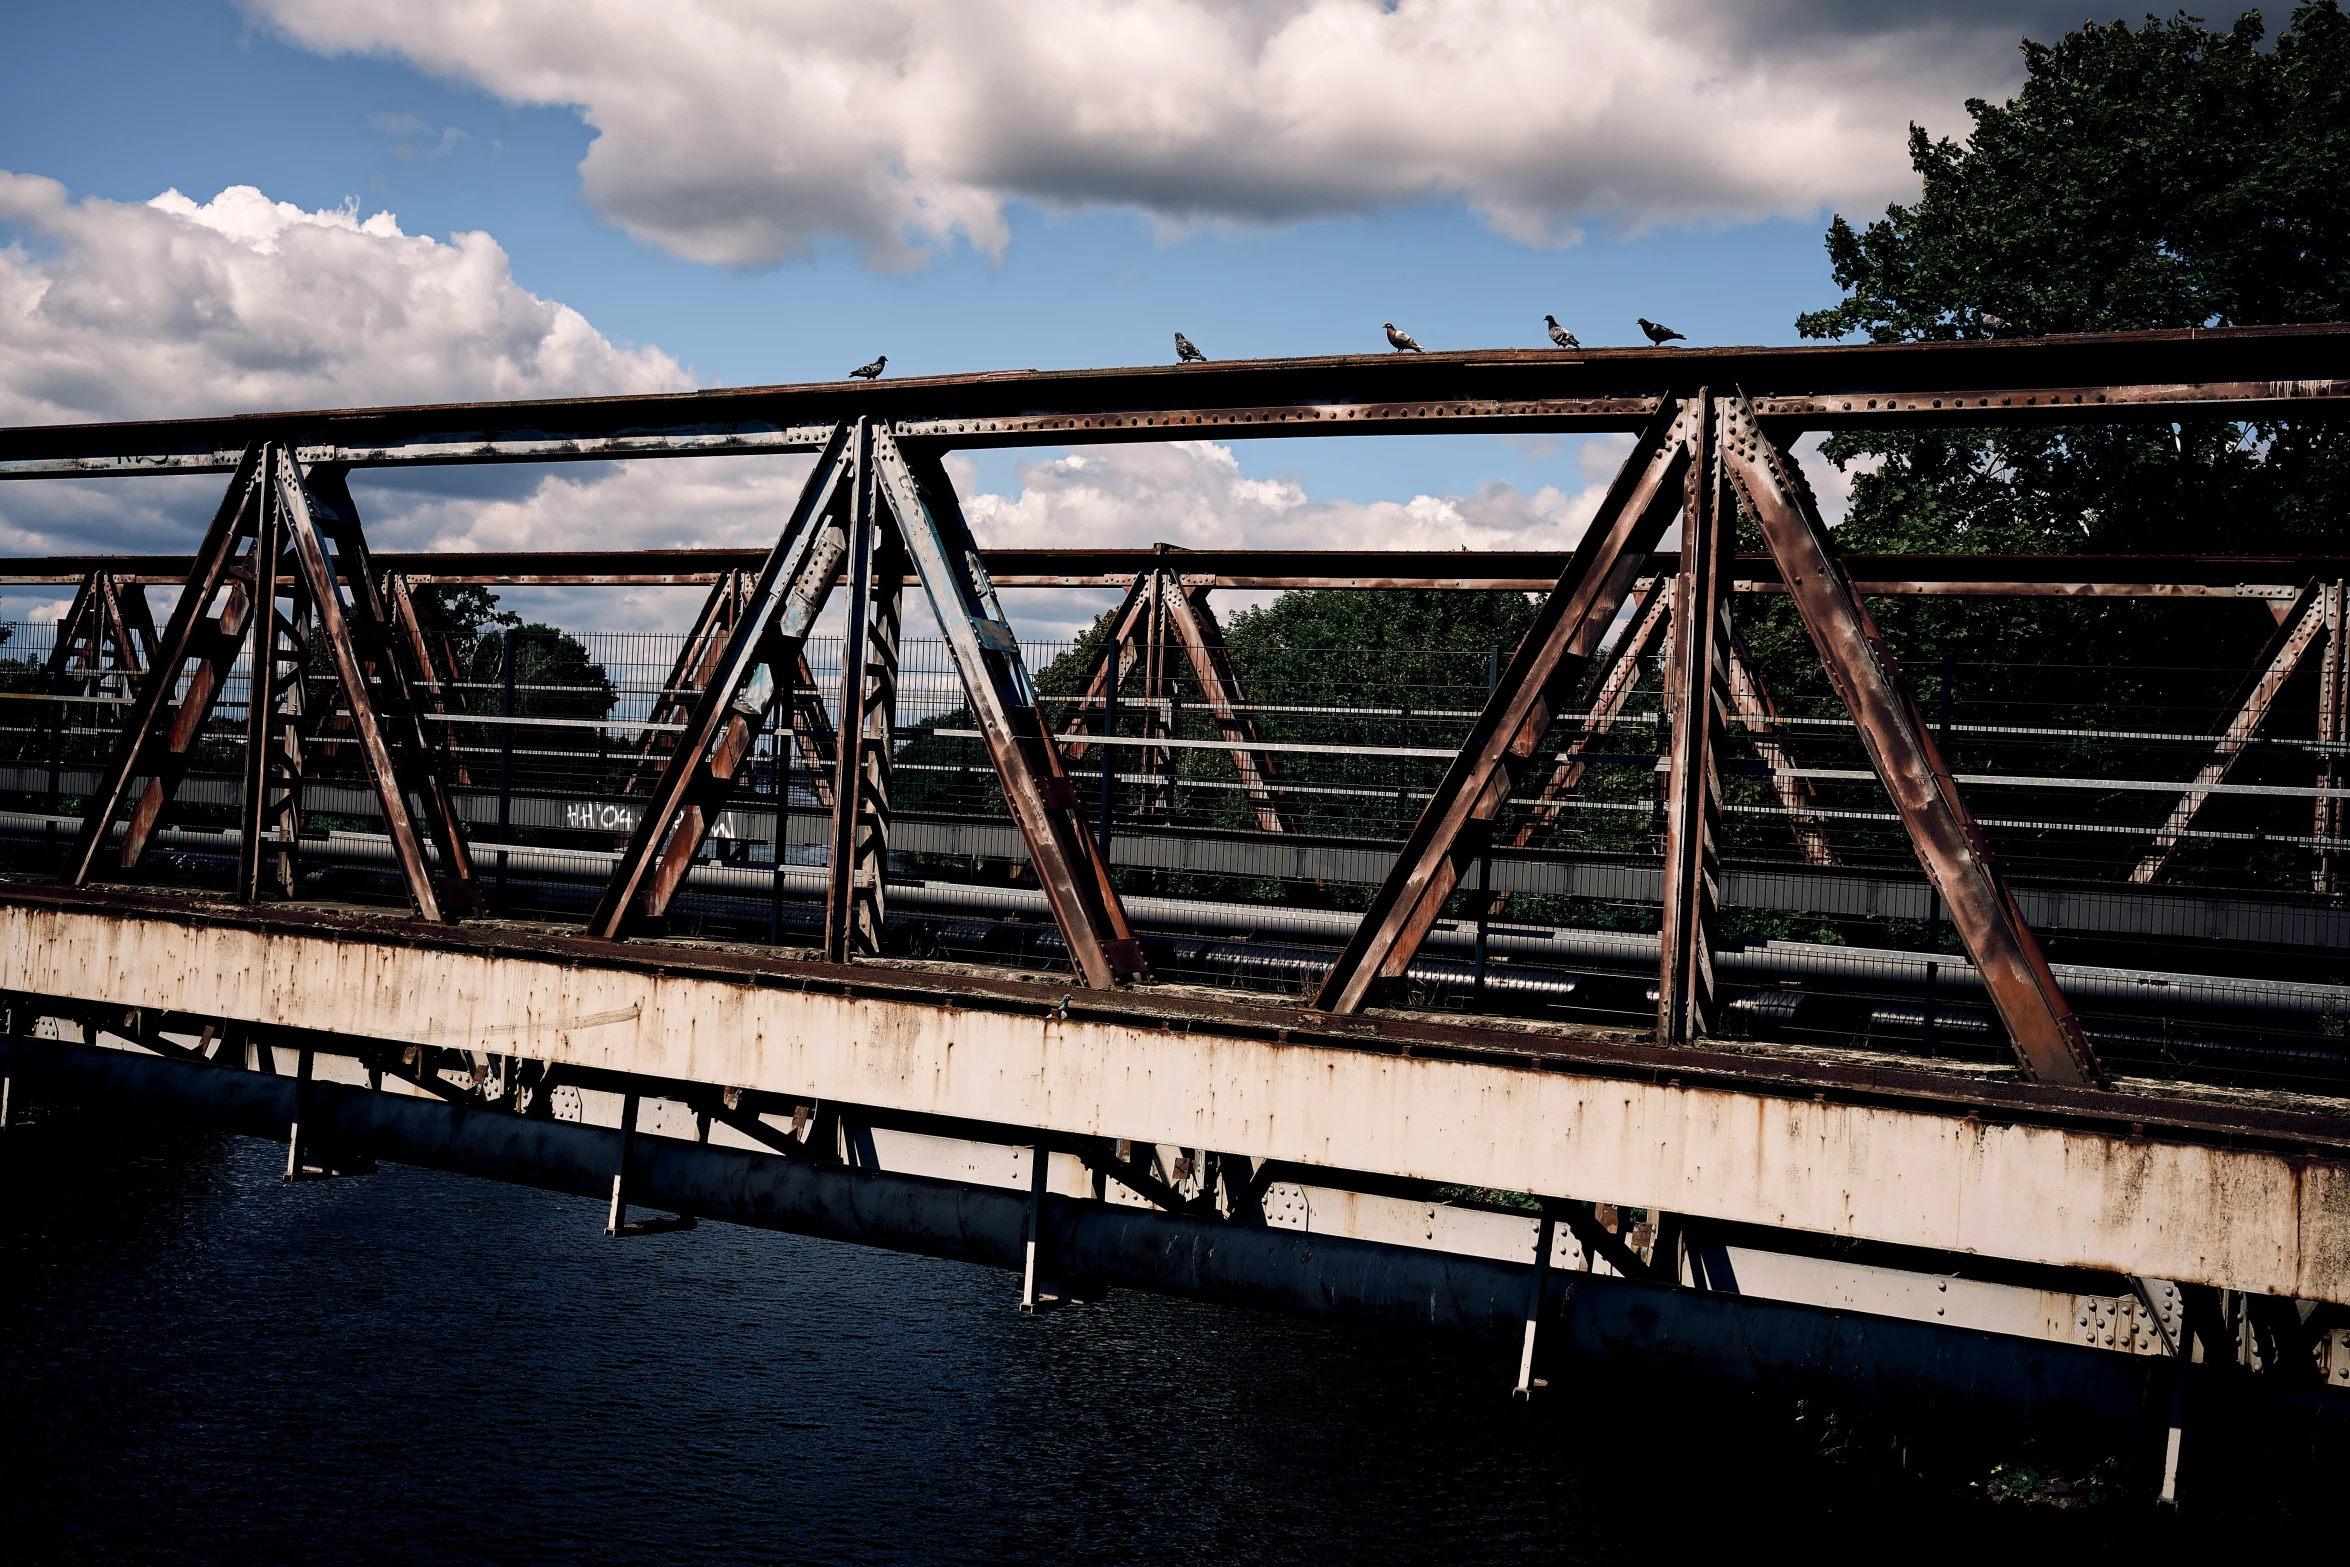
(2243, 1219)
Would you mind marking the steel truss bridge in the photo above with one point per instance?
(1412, 1107)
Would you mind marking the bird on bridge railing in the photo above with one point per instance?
(1402, 342)
(1658, 336)
(1559, 334)
(871, 372)
(1995, 326)
(1186, 354)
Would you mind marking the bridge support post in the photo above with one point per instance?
(1534, 1294)
(1040, 1166)
(302, 1071)
(618, 1219)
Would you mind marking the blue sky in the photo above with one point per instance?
(1066, 254)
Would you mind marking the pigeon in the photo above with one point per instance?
(871, 372)
(1402, 342)
(1186, 353)
(1559, 334)
(1658, 336)
(1995, 325)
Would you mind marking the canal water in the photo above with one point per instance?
(205, 1365)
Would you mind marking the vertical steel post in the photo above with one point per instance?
(781, 763)
(1040, 1165)
(260, 677)
(1534, 1292)
(302, 1070)
(505, 755)
(849, 728)
(1695, 693)
(2333, 731)
(1109, 749)
(618, 1218)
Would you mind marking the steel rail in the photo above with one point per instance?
(2233, 373)
(2267, 577)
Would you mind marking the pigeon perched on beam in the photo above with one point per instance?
(1997, 326)
(1658, 336)
(871, 372)
(1402, 342)
(1186, 353)
(1559, 334)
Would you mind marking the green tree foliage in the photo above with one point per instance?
(2168, 176)
(2163, 176)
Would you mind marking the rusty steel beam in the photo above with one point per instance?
(1696, 672)
(274, 689)
(1044, 804)
(2303, 629)
(2240, 373)
(2271, 578)
(855, 901)
(1458, 820)
(2048, 1040)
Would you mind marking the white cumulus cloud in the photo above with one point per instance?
(113, 310)
(740, 132)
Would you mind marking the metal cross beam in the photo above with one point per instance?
(2272, 579)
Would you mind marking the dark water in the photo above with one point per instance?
(204, 1365)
